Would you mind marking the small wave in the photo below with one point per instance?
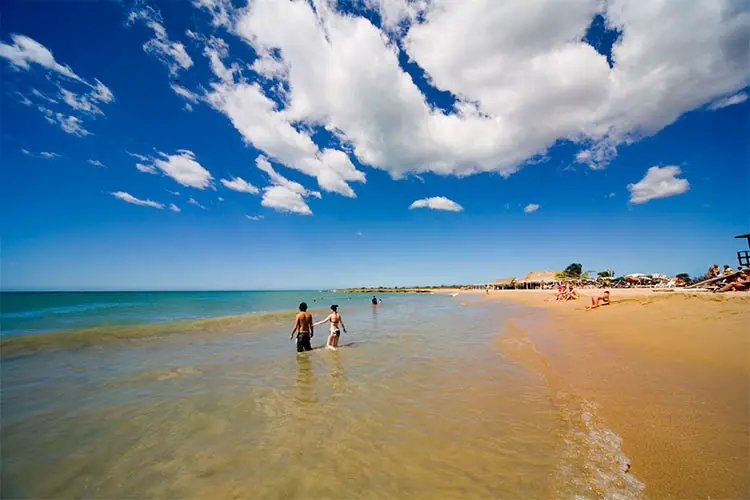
(592, 463)
(76, 338)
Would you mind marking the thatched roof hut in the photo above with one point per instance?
(503, 281)
(539, 276)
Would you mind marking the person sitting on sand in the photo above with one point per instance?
(572, 294)
(304, 323)
(599, 301)
(740, 284)
(335, 319)
(713, 271)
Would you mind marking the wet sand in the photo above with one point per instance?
(669, 372)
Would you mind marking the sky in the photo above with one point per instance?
(329, 143)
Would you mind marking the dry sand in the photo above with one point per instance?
(670, 372)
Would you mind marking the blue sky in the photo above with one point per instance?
(329, 144)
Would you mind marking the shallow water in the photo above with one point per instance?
(423, 404)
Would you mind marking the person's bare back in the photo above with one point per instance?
(303, 326)
(304, 322)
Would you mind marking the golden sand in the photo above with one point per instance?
(670, 373)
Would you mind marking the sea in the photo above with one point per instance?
(203, 395)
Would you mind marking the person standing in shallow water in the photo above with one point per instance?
(335, 319)
(303, 325)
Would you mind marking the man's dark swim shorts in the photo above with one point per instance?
(303, 342)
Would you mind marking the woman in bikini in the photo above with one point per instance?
(335, 319)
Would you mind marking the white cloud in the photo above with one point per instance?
(282, 199)
(23, 99)
(222, 11)
(95, 163)
(728, 101)
(181, 166)
(611, 195)
(221, 199)
(171, 54)
(175, 193)
(188, 107)
(68, 123)
(45, 155)
(659, 182)
(174, 208)
(193, 201)
(359, 233)
(127, 197)
(146, 169)
(80, 102)
(530, 208)
(254, 217)
(26, 50)
(183, 92)
(522, 75)
(284, 195)
(239, 184)
(136, 155)
(43, 96)
(437, 203)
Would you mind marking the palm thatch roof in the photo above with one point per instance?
(503, 281)
(539, 276)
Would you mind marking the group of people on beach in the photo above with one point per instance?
(715, 271)
(564, 293)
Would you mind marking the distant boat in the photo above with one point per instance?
(454, 295)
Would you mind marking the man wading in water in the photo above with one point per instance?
(304, 323)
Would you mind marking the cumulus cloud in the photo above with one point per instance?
(254, 217)
(95, 163)
(522, 75)
(174, 208)
(284, 195)
(530, 208)
(172, 54)
(728, 101)
(437, 203)
(181, 166)
(241, 185)
(26, 52)
(659, 182)
(129, 198)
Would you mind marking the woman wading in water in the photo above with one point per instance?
(335, 319)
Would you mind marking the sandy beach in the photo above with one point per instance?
(669, 372)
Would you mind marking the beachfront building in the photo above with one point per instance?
(535, 279)
(503, 283)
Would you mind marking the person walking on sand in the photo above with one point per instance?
(599, 301)
(303, 325)
(335, 319)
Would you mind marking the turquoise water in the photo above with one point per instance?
(35, 312)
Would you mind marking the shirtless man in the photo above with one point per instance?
(599, 301)
(304, 323)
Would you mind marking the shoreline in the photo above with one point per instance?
(668, 371)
